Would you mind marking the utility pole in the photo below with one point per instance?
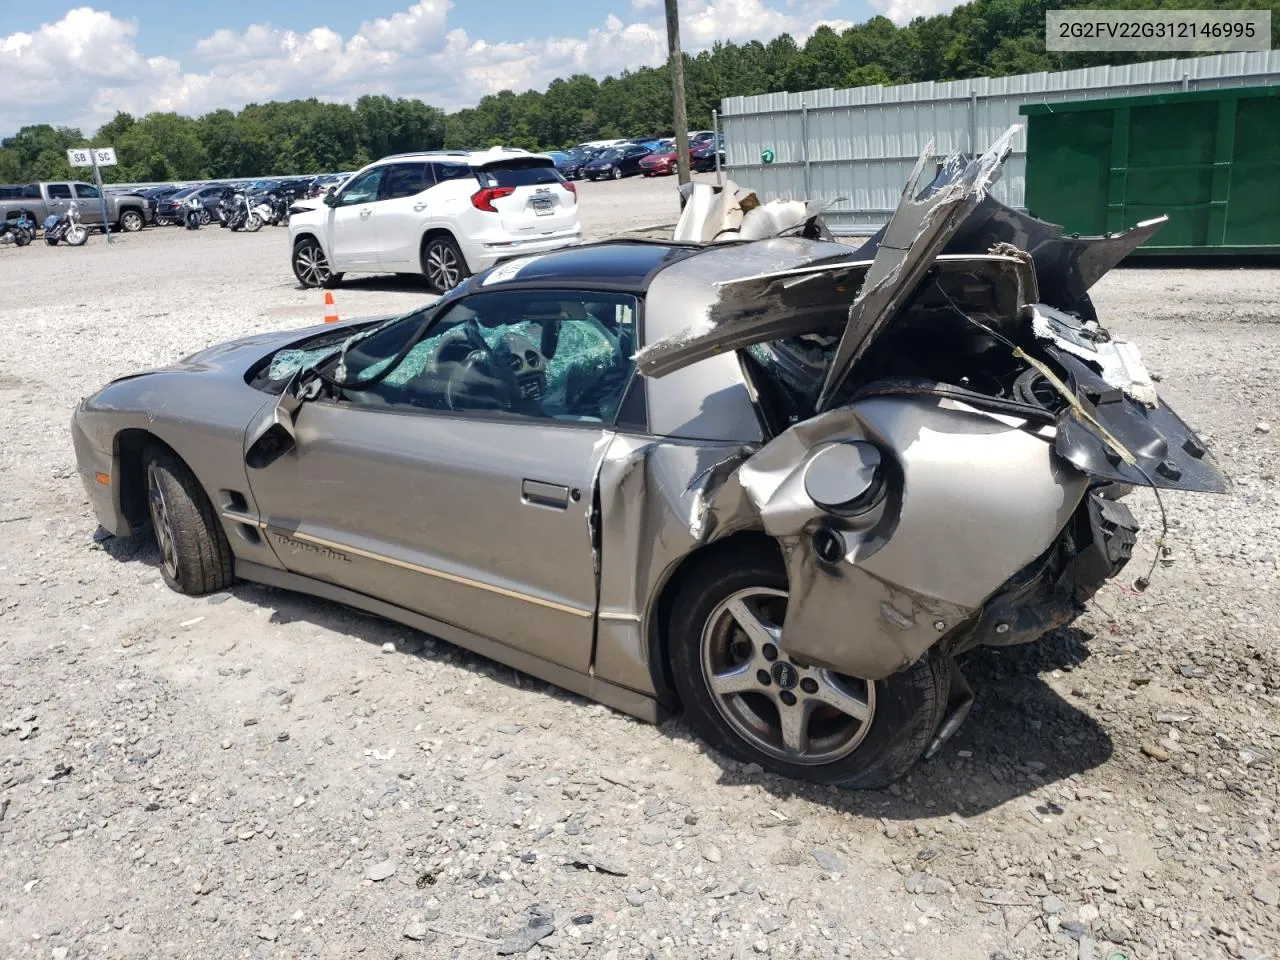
(675, 63)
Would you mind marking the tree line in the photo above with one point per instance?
(982, 38)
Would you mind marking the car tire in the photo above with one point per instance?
(311, 266)
(899, 714)
(617, 173)
(205, 217)
(131, 221)
(443, 265)
(195, 557)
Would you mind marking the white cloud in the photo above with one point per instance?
(81, 69)
(904, 11)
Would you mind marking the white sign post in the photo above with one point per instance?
(95, 157)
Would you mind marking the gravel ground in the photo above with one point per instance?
(258, 774)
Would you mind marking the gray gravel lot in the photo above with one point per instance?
(258, 774)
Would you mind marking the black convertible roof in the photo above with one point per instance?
(623, 265)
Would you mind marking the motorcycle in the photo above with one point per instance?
(241, 214)
(19, 232)
(271, 208)
(194, 214)
(66, 226)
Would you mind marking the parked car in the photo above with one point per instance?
(709, 509)
(443, 215)
(701, 136)
(662, 163)
(127, 212)
(173, 208)
(703, 157)
(615, 163)
(579, 157)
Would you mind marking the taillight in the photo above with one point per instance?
(570, 187)
(483, 199)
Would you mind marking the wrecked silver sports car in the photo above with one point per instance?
(780, 482)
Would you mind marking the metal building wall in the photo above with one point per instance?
(860, 144)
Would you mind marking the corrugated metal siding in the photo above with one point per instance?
(862, 143)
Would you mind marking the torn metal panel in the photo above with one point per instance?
(1119, 361)
(1066, 266)
(904, 566)
(806, 299)
(919, 230)
(659, 500)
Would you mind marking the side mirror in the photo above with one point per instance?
(330, 199)
(274, 436)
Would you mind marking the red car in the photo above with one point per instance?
(661, 164)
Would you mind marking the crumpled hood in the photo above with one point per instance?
(953, 216)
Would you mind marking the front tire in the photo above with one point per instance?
(617, 173)
(195, 557)
(253, 223)
(443, 265)
(744, 696)
(311, 266)
(77, 236)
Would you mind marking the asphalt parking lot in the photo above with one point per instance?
(259, 774)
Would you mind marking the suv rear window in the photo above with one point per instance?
(519, 173)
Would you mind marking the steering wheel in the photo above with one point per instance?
(480, 366)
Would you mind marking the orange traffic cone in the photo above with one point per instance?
(330, 311)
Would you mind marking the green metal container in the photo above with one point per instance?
(1210, 159)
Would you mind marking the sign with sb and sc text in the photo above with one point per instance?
(84, 156)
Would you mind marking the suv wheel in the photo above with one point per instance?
(130, 221)
(311, 266)
(746, 697)
(443, 264)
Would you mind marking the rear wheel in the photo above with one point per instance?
(443, 264)
(745, 696)
(205, 216)
(131, 221)
(195, 557)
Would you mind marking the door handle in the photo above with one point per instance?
(364, 214)
(419, 207)
(538, 493)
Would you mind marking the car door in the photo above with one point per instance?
(57, 198)
(631, 161)
(353, 228)
(89, 202)
(404, 203)
(460, 486)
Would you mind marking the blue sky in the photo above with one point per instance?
(168, 28)
(78, 64)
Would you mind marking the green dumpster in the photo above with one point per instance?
(1210, 159)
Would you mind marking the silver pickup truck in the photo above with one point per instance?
(127, 212)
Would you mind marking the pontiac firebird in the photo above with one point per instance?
(781, 483)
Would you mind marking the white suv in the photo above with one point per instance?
(443, 215)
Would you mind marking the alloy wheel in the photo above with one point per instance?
(310, 264)
(617, 173)
(160, 521)
(131, 221)
(443, 270)
(789, 710)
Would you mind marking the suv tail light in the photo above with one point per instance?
(483, 199)
(570, 187)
